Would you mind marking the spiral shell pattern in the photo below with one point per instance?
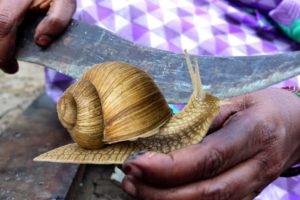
(112, 102)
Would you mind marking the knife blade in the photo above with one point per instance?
(83, 45)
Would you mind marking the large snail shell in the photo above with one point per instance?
(112, 102)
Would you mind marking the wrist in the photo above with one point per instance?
(295, 169)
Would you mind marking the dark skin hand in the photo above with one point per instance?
(253, 140)
(12, 13)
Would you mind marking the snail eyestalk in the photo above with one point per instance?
(195, 76)
(199, 87)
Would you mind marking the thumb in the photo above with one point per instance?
(228, 108)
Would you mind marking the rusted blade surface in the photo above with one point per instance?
(84, 45)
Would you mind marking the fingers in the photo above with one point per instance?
(217, 152)
(235, 184)
(11, 14)
(57, 19)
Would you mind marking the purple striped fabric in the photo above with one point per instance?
(203, 27)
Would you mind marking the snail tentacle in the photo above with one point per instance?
(195, 76)
(191, 124)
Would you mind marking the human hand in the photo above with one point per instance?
(12, 13)
(255, 138)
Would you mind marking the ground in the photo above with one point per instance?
(18, 91)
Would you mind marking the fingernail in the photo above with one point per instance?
(129, 187)
(133, 171)
(135, 155)
(44, 40)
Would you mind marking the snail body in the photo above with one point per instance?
(116, 109)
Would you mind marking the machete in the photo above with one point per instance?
(83, 45)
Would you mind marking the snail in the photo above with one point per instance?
(116, 109)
